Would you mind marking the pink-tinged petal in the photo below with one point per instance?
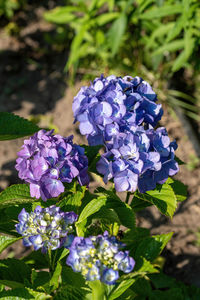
(54, 187)
(39, 167)
(35, 190)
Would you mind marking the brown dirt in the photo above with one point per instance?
(33, 83)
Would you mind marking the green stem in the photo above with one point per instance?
(127, 197)
(50, 261)
(54, 260)
(98, 290)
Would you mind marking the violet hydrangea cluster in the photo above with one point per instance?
(112, 105)
(46, 161)
(121, 114)
(46, 228)
(139, 159)
(99, 258)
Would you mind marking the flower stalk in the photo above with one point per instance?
(98, 290)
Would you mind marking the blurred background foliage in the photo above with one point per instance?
(8, 7)
(157, 39)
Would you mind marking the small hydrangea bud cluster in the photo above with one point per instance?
(114, 104)
(140, 159)
(46, 228)
(99, 258)
(47, 160)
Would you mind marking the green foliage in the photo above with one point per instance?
(102, 31)
(123, 210)
(16, 126)
(55, 279)
(164, 197)
(6, 241)
(13, 272)
(7, 7)
(151, 247)
(23, 294)
(108, 35)
(15, 194)
(93, 156)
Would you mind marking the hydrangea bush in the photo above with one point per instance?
(86, 245)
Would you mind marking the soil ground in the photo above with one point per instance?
(33, 83)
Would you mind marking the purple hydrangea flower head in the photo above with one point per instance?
(112, 104)
(46, 161)
(99, 258)
(46, 228)
(139, 159)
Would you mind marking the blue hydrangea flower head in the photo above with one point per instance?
(139, 159)
(113, 104)
(99, 258)
(46, 161)
(46, 228)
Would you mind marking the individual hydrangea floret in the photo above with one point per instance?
(46, 228)
(99, 258)
(139, 159)
(113, 104)
(46, 161)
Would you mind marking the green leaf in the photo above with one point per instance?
(123, 210)
(73, 285)
(40, 280)
(146, 267)
(14, 270)
(63, 254)
(179, 61)
(121, 288)
(159, 32)
(76, 45)
(125, 213)
(55, 279)
(179, 161)
(142, 268)
(107, 215)
(116, 33)
(36, 259)
(170, 47)
(176, 29)
(180, 189)
(13, 126)
(133, 236)
(151, 247)
(186, 53)
(160, 12)
(162, 197)
(61, 15)
(142, 287)
(70, 292)
(138, 204)
(6, 241)
(106, 18)
(23, 294)
(12, 284)
(161, 280)
(92, 207)
(73, 201)
(15, 194)
(92, 153)
(70, 277)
